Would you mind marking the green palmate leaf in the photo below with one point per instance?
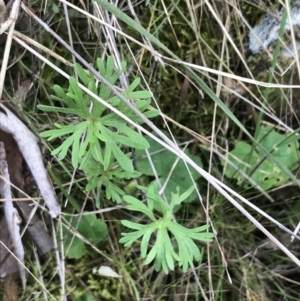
(163, 251)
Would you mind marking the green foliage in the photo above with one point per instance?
(96, 126)
(91, 228)
(282, 147)
(163, 252)
(164, 161)
(96, 138)
(99, 177)
(96, 141)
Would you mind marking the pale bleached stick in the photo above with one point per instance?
(4, 25)
(11, 214)
(28, 145)
(7, 21)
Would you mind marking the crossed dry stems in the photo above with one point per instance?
(27, 144)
